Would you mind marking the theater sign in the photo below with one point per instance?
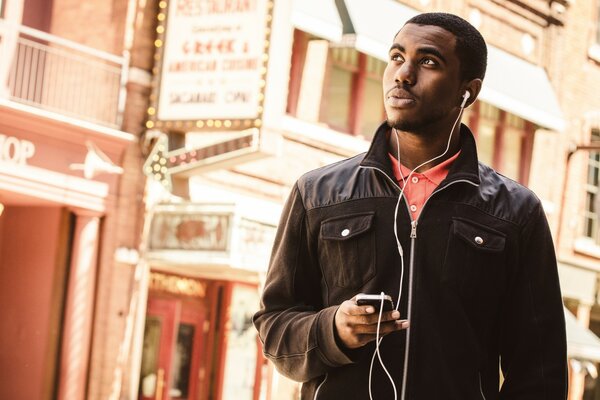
(212, 61)
(201, 234)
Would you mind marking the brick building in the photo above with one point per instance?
(221, 128)
(71, 188)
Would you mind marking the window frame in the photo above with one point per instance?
(591, 219)
(500, 131)
(360, 75)
(597, 41)
(594, 37)
(299, 49)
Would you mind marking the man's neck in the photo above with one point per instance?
(419, 148)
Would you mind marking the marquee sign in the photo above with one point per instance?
(212, 62)
(161, 163)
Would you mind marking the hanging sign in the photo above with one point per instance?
(185, 230)
(212, 57)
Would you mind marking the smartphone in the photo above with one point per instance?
(375, 301)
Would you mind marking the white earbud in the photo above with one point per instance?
(465, 98)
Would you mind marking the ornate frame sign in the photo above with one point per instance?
(211, 58)
(190, 229)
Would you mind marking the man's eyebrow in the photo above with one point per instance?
(433, 51)
(398, 47)
(421, 50)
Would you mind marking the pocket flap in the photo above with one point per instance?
(347, 226)
(479, 236)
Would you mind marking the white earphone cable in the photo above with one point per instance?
(376, 352)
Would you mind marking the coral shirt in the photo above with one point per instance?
(421, 185)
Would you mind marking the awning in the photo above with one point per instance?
(376, 22)
(511, 84)
(521, 88)
(577, 282)
(318, 17)
(582, 343)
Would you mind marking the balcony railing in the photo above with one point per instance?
(62, 76)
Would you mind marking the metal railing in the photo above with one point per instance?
(62, 76)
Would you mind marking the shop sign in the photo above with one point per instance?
(212, 234)
(15, 150)
(212, 58)
(177, 285)
(185, 230)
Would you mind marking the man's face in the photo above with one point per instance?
(421, 82)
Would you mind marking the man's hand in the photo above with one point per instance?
(357, 325)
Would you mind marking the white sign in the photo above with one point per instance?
(15, 150)
(190, 231)
(212, 64)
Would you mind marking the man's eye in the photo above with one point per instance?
(428, 61)
(395, 57)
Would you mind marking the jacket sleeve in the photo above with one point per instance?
(533, 349)
(297, 333)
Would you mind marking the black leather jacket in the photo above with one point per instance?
(480, 284)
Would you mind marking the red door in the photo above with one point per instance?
(172, 348)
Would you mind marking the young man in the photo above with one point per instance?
(472, 268)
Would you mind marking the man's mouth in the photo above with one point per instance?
(399, 101)
(399, 98)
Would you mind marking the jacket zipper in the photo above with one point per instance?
(413, 239)
(411, 263)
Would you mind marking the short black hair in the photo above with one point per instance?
(470, 46)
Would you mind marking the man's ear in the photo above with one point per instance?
(474, 87)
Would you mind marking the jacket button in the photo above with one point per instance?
(345, 232)
(478, 240)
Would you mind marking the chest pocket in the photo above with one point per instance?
(346, 250)
(475, 258)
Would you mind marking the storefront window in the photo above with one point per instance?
(353, 99)
(149, 367)
(180, 381)
(511, 160)
(349, 98)
(489, 117)
(337, 101)
(241, 351)
(590, 215)
(504, 141)
(372, 111)
(597, 21)
(467, 116)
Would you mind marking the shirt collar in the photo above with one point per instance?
(464, 168)
(435, 174)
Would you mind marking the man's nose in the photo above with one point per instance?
(406, 74)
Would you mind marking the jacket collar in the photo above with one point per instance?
(465, 167)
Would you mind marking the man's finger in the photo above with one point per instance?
(384, 328)
(351, 308)
(370, 319)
